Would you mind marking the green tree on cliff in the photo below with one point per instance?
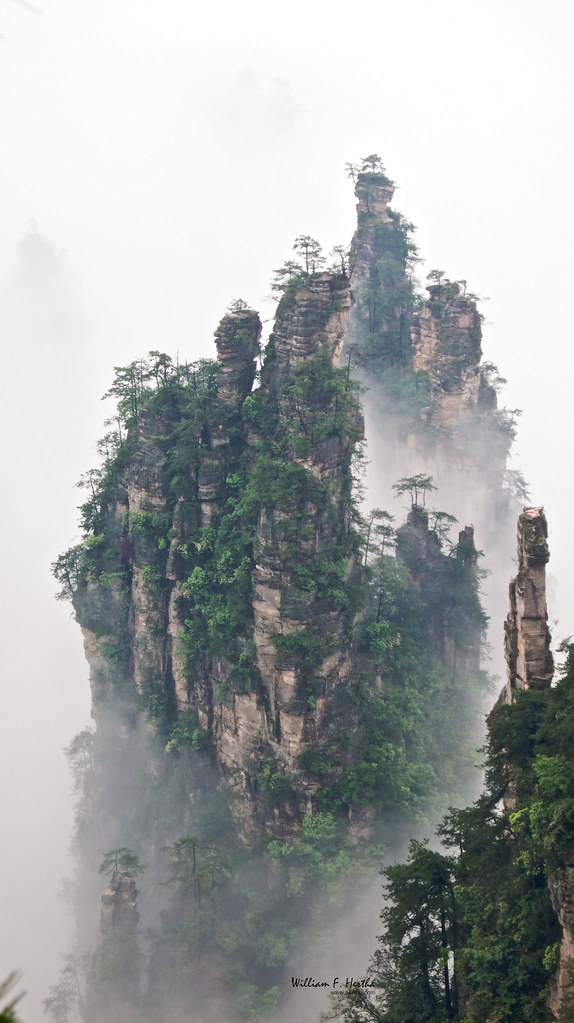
(311, 252)
(417, 487)
(121, 859)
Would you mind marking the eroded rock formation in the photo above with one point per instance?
(308, 317)
(446, 336)
(441, 580)
(237, 340)
(530, 665)
(291, 652)
(429, 390)
(527, 636)
(119, 909)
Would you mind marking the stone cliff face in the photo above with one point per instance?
(373, 201)
(135, 617)
(441, 581)
(446, 336)
(315, 318)
(429, 392)
(526, 634)
(276, 720)
(470, 440)
(313, 315)
(222, 577)
(382, 286)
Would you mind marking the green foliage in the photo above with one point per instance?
(413, 965)
(318, 403)
(238, 305)
(149, 527)
(417, 487)
(490, 375)
(500, 930)
(403, 758)
(157, 375)
(320, 828)
(71, 569)
(310, 251)
(184, 393)
(288, 277)
(294, 274)
(277, 786)
(218, 591)
(186, 734)
(531, 744)
(152, 580)
(121, 859)
(113, 978)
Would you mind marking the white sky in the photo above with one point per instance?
(174, 151)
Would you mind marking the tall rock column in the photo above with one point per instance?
(530, 665)
(527, 636)
(382, 286)
(119, 904)
(237, 340)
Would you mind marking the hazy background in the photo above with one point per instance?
(159, 163)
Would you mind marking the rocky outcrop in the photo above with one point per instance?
(526, 634)
(465, 440)
(448, 588)
(119, 908)
(301, 658)
(374, 195)
(310, 316)
(446, 336)
(237, 340)
(277, 686)
(379, 328)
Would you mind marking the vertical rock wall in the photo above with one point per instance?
(139, 612)
(446, 337)
(526, 633)
(276, 720)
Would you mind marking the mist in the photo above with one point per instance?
(159, 164)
